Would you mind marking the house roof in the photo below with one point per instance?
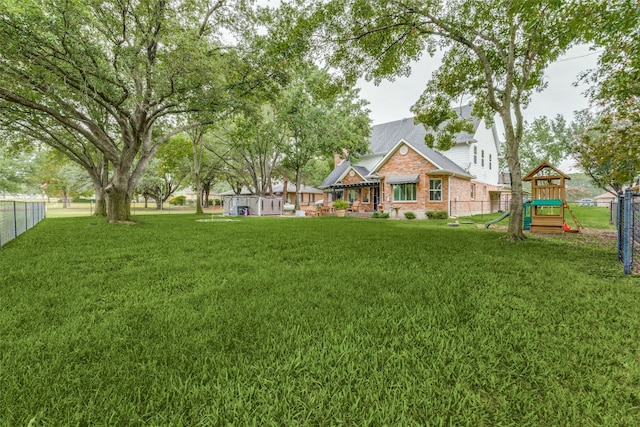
(336, 174)
(606, 196)
(385, 136)
(440, 161)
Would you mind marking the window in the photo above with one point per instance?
(312, 197)
(475, 154)
(473, 191)
(352, 195)
(404, 192)
(366, 195)
(482, 158)
(435, 189)
(489, 161)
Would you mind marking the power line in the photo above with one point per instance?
(580, 56)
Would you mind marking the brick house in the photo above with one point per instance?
(400, 173)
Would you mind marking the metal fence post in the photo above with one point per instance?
(619, 224)
(15, 220)
(626, 250)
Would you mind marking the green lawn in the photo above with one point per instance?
(313, 321)
(590, 217)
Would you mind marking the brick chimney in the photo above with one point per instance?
(339, 158)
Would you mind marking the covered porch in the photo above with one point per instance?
(362, 196)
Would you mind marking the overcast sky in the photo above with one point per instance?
(392, 100)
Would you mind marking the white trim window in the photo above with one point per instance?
(473, 191)
(475, 154)
(405, 192)
(352, 195)
(366, 195)
(435, 189)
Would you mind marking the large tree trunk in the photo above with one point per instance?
(118, 205)
(196, 140)
(65, 199)
(205, 194)
(199, 210)
(101, 203)
(119, 197)
(284, 191)
(99, 183)
(298, 185)
(514, 231)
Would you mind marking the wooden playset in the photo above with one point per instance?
(549, 203)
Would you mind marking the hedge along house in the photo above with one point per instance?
(402, 174)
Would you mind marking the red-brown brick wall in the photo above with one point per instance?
(456, 191)
(409, 164)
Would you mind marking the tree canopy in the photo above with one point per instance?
(609, 148)
(116, 76)
(545, 139)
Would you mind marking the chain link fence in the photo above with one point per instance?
(628, 226)
(477, 207)
(18, 217)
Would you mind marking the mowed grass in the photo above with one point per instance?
(312, 321)
(591, 217)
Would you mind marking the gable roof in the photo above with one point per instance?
(385, 136)
(341, 171)
(544, 165)
(336, 174)
(442, 163)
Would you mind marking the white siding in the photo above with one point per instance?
(461, 155)
(488, 144)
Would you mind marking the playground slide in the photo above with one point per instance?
(500, 218)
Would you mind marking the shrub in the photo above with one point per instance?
(178, 200)
(381, 215)
(409, 215)
(437, 214)
(340, 204)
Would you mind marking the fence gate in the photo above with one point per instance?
(628, 225)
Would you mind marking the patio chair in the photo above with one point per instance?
(355, 206)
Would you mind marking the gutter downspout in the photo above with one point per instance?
(449, 196)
